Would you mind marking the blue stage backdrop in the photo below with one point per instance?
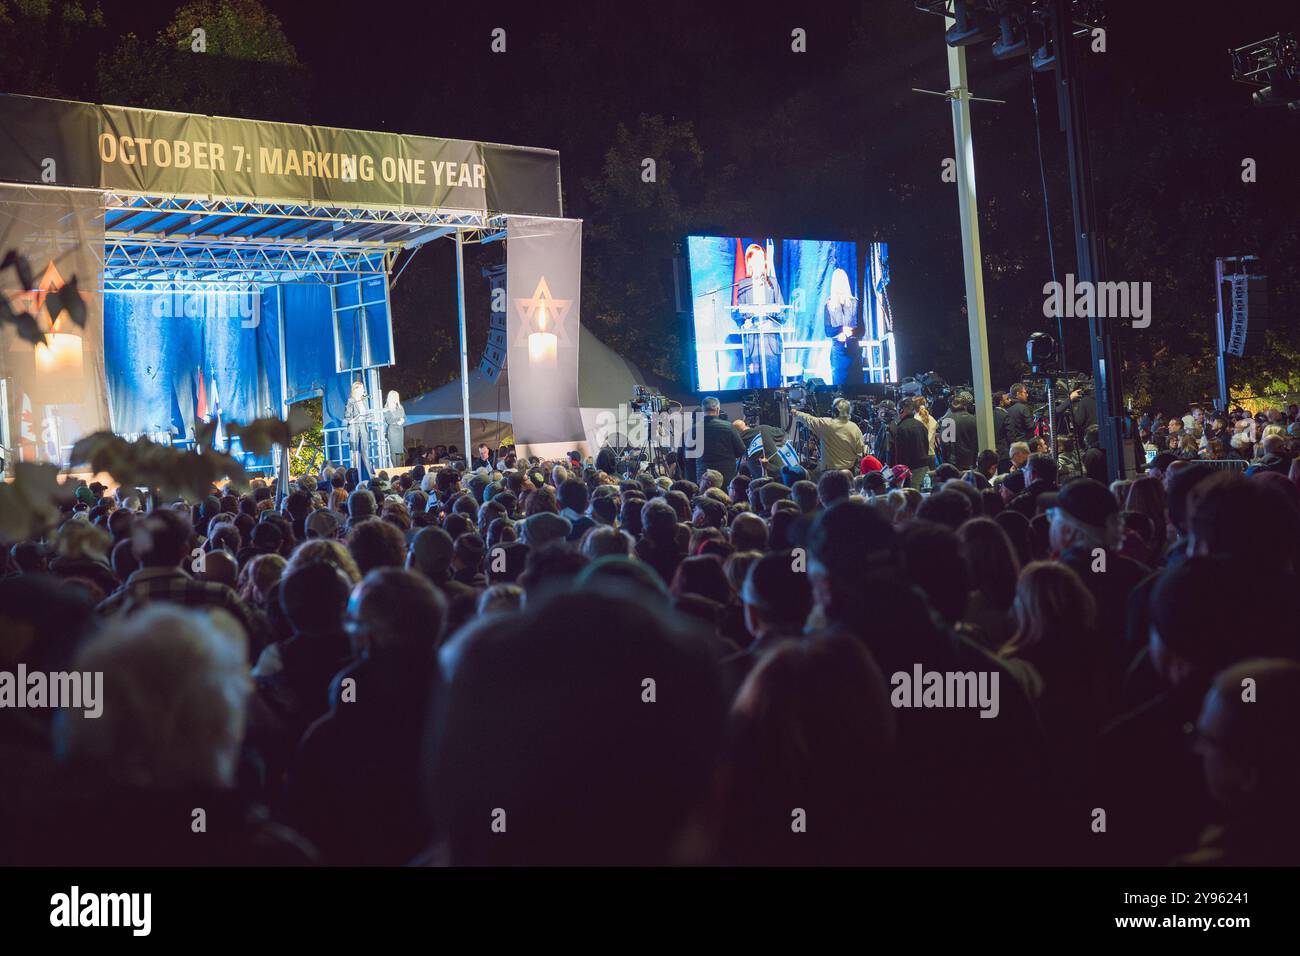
(798, 285)
(175, 358)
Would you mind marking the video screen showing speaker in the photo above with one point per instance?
(768, 313)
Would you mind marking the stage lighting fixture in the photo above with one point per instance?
(971, 26)
(1272, 66)
(1044, 58)
(1040, 350)
(1013, 40)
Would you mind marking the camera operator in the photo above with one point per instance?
(883, 443)
(841, 439)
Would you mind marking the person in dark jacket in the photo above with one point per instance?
(1001, 402)
(1040, 478)
(720, 444)
(1020, 419)
(354, 786)
(958, 433)
(912, 443)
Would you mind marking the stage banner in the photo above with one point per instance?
(183, 154)
(543, 288)
(52, 389)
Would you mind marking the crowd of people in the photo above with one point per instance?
(524, 662)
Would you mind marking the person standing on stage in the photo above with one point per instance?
(841, 318)
(762, 335)
(719, 444)
(841, 439)
(357, 418)
(1020, 420)
(395, 422)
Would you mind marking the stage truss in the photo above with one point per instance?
(168, 239)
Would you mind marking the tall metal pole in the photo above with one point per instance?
(970, 243)
(1221, 362)
(464, 338)
(1087, 241)
(284, 386)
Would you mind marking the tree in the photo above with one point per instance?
(48, 47)
(240, 64)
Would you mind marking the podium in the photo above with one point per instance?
(762, 336)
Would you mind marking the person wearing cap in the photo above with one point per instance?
(708, 512)
(323, 523)
(1085, 534)
(841, 440)
(542, 528)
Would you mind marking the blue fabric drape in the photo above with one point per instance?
(309, 336)
(156, 345)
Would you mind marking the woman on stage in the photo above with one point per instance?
(395, 421)
(841, 314)
(356, 416)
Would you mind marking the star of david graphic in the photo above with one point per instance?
(542, 313)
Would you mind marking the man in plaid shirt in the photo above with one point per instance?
(161, 541)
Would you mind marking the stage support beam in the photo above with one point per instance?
(464, 340)
(959, 96)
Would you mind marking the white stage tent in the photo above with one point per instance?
(605, 381)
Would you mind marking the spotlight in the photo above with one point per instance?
(1040, 350)
(1013, 40)
(971, 26)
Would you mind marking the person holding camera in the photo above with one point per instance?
(841, 439)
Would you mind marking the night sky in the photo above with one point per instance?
(828, 144)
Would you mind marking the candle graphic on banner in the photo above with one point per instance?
(543, 343)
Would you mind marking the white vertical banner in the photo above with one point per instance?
(543, 290)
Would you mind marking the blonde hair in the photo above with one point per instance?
(321, 549)
(841, 292)
(1051, 602)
